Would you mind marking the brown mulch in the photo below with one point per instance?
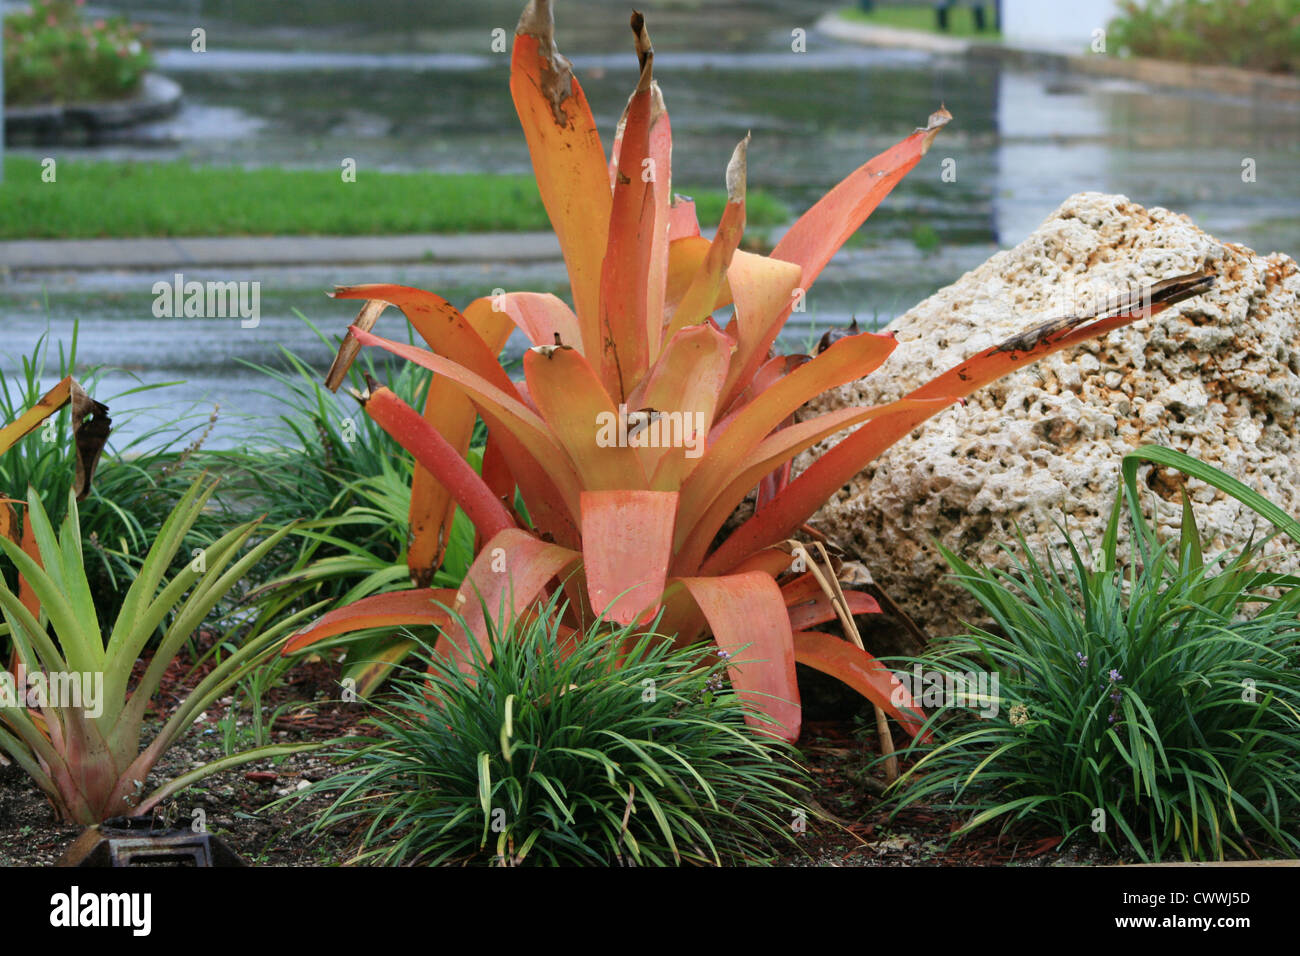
(311, 683)
(857, 829)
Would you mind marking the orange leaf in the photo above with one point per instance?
(768, 374)
(505, 579)
(819, 233)
(764, 289)
(444, 329)
(432, 508)
(525, 437)
(568, 159)
(815, 238)
(848, 359)
(748, 619)
(581, 415)
(855, 667)
(771, 561)
(626, 541)
(24, 538)
(820, 609)
(49, 403)
(806, 587)
(484, 510)
(701, 296)
(496, 472)
(638, 231)
(685, 259)
(684, 384)
(542, 317)
(9, 522)
(472, 339)
(394, 609)
(777, 448)
(661, 158)
(26, 596)
(682, 220)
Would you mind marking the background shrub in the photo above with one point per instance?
(53, 55)
(1252, 34)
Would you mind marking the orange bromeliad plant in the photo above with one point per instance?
(641, 423)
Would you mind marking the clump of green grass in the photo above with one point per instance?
(915, 16)
(616, 750)
(119, 200)
(1154, 708)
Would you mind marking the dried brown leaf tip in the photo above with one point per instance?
(90, 428)
(538, 21)
(348, 351)
(1163, 294)
(550, 350)
(738, 171)
(938, 120)
(645, 51)
(363, 396)
(1175, 290)
(831, 336)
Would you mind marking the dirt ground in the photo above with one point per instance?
(857, 831)
(247, 806)
(232, 802)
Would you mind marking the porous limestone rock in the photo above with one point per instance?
(1217, 376)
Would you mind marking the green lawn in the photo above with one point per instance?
(119, 200)
(961, 19)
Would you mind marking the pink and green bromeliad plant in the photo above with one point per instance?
(626, 523)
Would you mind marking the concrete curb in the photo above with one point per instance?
(1222, 80)
(38, 255)
(834, 25)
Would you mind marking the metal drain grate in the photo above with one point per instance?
(133, 841)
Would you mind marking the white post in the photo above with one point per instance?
(1064, 26)
(2, 95)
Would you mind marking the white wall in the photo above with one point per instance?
(1049, 146)
(1067, 24)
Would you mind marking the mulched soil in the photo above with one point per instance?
(856, 829)
(232, 802)
(851, 829)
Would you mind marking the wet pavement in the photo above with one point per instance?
(418, 86)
